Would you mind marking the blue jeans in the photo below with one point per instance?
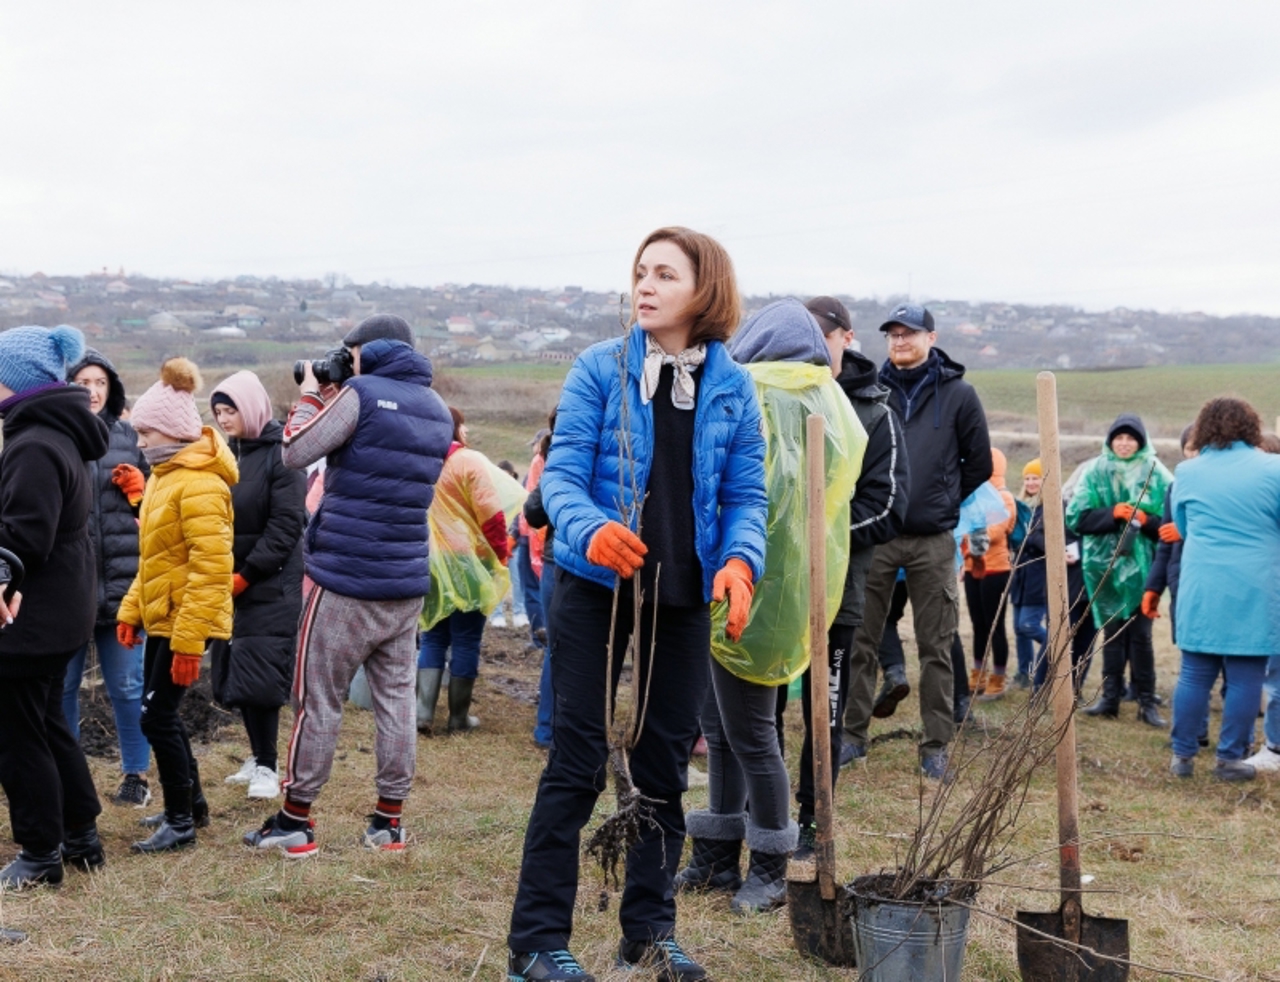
(1271, 721)
(1239, 705)
(542, 731)
(529, 586)
(460, 631)
(516, 593)
(1029, 631)
(122, 675)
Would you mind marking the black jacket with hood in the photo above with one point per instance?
(270, 513)
(45, 501)
(113, 525)
(947, 441)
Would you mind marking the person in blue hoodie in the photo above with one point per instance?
(384, 435)
(661, 417)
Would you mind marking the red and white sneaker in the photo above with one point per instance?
(294, 843)
(389, 839)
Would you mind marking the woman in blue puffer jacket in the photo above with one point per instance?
(667, 397)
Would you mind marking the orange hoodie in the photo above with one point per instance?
(998, 559)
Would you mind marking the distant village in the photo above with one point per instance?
(477, 323)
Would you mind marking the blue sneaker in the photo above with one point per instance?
(545, 966)
(935, 767)
(850, 752)
(666, 957)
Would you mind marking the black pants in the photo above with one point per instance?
(262, 724)
(575, 775)
(1130, 641)
(1083, 634)
(985, 600)
(42, 768)
(161, 724)
(839, 644)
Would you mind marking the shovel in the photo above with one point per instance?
(815, 903)
(1040, 958)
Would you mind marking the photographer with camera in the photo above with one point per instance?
(385, 435)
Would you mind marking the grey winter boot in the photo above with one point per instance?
(460, 704)
(765, 887)
(716, 861)
(428, 696)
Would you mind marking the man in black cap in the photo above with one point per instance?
(945, 431)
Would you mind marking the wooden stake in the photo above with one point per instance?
(819, 673)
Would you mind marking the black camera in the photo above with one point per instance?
(334, 368)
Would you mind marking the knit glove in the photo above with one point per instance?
(185, 668)
(127, 634)
(618, 548)
(735, 578)
(1123, 512)
(238, 584)
(130, 481)
(1169, 533)
(1151, 604)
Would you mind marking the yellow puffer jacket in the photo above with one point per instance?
(183, 587)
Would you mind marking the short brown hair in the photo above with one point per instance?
(715, 298)
(458, 421)
(1224, 421)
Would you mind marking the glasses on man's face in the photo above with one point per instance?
(900, 337)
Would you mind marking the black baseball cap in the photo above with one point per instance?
(910, 315)
(830, 314)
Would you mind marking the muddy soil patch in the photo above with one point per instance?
(203, 718)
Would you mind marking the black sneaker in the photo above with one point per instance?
(666, 957)
(808, 839)
(545, 966)
(134, 792)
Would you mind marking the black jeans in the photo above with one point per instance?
(42, 768)
(1130, 641)
(161, 724)
(985, 599)
(839, 644)
(262, 724)
(575, 775)
(744, 760)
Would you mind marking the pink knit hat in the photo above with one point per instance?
(250, 399)
(169, 406)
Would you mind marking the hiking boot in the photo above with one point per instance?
(245, 774)
(934, 767)
(850, 752)
(134, 792)
(893, 690)
(666, 957)
(1147, 713)
(993, 690)
(1265, 759)
(264, 785)
(429, 681)
(384, 838)
(1233, 770)
(545, 966)
(83, 850)
(977, 681)
(1183, 767)
(1107, 704)
(295, 843)
(31, 870)
(459, 705)
(808, 841)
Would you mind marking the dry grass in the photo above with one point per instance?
(1194, 863)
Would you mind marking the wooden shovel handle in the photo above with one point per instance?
(819, 680)
(1062, 678)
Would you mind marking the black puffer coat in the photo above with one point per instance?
(113, 525)
(269, 518)
(45, 500)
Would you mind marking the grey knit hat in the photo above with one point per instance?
(387, 326)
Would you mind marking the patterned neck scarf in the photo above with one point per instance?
(684, 387)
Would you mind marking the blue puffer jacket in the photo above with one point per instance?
(583, 484)
(368, 539)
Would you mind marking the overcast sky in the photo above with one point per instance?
(1091, 153)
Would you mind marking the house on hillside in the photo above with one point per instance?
(460, 325)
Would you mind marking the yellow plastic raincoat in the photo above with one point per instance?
(466, 574)
(774, 648)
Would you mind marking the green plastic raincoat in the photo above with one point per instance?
(466, 573)
(1105, 482)
(774, 648)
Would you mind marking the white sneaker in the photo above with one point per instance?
(245, 774)
(1265, 759)
(265, 783)
(519, 620)
(498, 620)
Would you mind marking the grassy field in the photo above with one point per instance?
(1192, 866)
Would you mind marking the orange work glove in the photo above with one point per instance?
(977, 567)
(129, 480)
(1151, 604)
(127, 635)
(618, 548)
(1169, 533)
(1123, 511)
(734, 577)
(238, 584)
(185, 668)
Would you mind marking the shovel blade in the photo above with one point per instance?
(820, 928)
(1041, 960)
